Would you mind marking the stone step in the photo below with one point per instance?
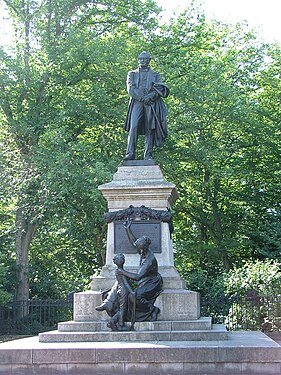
(218, 332)
(203, 323)
(244, 353)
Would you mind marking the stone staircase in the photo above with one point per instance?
(179, 343)
(243, 353)
(201, 329)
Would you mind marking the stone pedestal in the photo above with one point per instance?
(174, 304)
(178, 343)
(140, 183)
(244, 353)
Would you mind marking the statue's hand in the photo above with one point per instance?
(127, 223)
(147, 101)
(119, 272)
(150, 98)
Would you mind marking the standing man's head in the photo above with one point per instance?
(144, 59)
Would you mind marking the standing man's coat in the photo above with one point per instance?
(146, 111)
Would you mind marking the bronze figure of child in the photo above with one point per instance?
(140, 301)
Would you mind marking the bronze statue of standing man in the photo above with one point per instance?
(147, 111)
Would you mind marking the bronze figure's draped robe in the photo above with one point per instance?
(146, 111)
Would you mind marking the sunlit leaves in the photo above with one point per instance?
(63, 100)
(217, 137)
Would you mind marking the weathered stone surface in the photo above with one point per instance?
(154, 369)
(244, 353)
(193, 355)
(49, 355)
(47, 369)
(96, 369)
(208, 368)
(178, 304)
(259, 368)
(18, 356)
(203, 323)
(139, 186)
(85, 307)
(133, 354)
(218, 332)
(174, 304)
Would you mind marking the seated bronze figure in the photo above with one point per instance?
(125, 303)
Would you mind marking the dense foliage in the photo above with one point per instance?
(62, 103)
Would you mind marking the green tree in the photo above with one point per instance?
(63, 99)
(58, 83)
(264, 226)
(215, 152)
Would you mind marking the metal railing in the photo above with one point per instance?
(250, 312)
(34, 316)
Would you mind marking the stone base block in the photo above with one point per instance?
(174, 304)
(217, 333)
(102, 283)
(244, 353)
(202, 324)
(85, 307)
(178, 304)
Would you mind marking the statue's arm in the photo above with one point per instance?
(137, 276)
(130, 275)
(132, 88)
(158, 78)
(131, 237)
(160, 87)
(127, 284)
(153, 95)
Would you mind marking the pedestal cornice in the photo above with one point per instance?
(139, 185)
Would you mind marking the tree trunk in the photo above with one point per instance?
(24, 234)
(218, 230)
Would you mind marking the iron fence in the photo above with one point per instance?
(34, 316)
(249, 312)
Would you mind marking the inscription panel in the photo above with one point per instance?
(149, 228)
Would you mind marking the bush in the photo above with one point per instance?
(257, 286)
(5, 296)
(262, 277)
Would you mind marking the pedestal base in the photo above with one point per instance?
(174, 304)
(244, 353)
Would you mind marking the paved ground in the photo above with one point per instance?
(276, 336)
(247, 353)
(5, 338)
